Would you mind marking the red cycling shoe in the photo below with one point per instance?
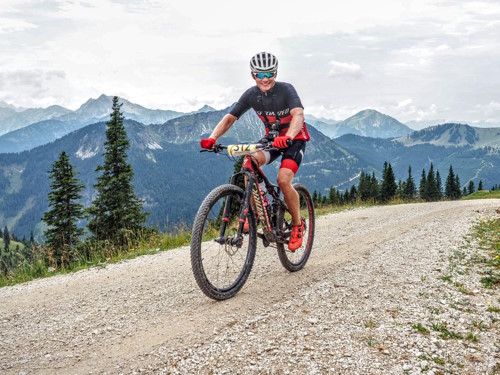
(297, 236)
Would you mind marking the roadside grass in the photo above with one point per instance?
(12, 245)
(488, 234)
(483, 194)
(95, 254)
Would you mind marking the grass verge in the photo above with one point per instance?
(483, 194)
(488, 234)
(94, 254)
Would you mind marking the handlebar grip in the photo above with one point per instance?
(289, 141)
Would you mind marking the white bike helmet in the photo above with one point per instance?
(263, 62)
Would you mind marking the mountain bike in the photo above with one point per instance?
(222, 251)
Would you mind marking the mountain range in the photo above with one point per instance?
(25, 129)
(172, 176)
(367, 123)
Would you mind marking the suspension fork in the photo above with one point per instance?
(243, 213)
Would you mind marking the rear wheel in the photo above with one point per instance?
(296, 260)
(219, 267)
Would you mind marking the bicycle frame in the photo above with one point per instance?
(252, 171)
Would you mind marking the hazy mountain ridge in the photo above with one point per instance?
(368, 123)
(473, 155)
(35, 129)
(62, 121)
(16, 120)
(454, 135)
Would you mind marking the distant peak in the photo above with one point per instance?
(7, 105)
(206, 108)
(104, 97)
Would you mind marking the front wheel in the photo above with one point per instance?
(219, 266)
(296, 260)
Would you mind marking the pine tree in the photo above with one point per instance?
(422, 190)
(6, 239)
(63, 233)
(332, 196)
(439, 185)
(450, 190)
(353, 194)
(389, 187)
(480, 185)
(410, 190)
(431, 189)
(374, 188)
(472, 188)
(116, 209)
(315, 197)
(5, 254)
(364, 187)
(458, 192)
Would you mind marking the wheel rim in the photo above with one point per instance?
(297, 257)
(223, 264)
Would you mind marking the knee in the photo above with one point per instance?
(282, 183)
(284, 179)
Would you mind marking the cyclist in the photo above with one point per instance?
(277, 104)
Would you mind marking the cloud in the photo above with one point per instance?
(10, 25)
(403, 57)
(344, 69)
(39, 87)
(489, 112)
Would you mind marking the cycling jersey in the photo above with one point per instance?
(270, 105)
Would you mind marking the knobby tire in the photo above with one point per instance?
(221, 270)
(296, 260)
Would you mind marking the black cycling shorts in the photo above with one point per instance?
(292, 156)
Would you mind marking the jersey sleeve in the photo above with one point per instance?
(242, 105)
(293, 97)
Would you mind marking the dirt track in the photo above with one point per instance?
(373, 273)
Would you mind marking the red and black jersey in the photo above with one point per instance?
(272, 104)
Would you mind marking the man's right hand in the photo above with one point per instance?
(207, 143)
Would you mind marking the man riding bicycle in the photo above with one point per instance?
(277, 105)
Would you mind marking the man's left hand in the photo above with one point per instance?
(282, 142)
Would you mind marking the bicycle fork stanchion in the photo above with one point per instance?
(238, 240)
(225, 216)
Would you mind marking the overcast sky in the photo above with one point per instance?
(413, 60)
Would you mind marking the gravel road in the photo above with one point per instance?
(387, 290)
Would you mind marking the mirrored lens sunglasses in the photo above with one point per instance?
(264, 75)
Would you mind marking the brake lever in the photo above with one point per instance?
(217, 148)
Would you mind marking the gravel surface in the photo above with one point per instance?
(387, 290)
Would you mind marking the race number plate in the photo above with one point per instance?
(238, 150)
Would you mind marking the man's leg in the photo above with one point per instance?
(285, 178)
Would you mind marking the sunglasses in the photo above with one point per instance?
(264, 75)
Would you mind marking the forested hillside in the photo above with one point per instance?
(171, 175)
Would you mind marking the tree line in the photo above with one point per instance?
(114, 219)
(370, 189)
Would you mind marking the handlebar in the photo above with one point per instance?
(245, 148)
